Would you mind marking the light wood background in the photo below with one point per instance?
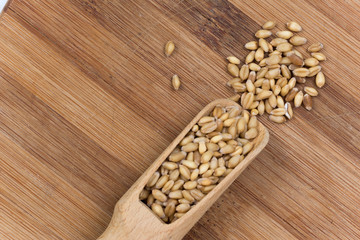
(86, 105)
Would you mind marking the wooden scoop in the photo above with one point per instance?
(132, 219)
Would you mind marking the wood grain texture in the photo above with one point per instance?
(86, 106)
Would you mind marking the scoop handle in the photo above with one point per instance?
(132, 220)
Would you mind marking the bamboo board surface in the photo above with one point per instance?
(86, 105)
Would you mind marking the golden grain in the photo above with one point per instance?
(246, 149)
(184, 172)
(292, 82)
(240, 126)
(277, 119)
(319, 56)
(245, 114)
(206, 156)
(291, 95)
(169, 48)
(311, 62)
(268, 107)
(272, 100)
(254, 67)
(254, 105)
(262, 33)
(280, 102)
(233, 70)
(204, 181)
(195, 128)
(262, 63)
(190, 185)
(285, 61)
(219, 171)
(174, 175)
(284, 34)
(265, 85)
(233, 60)
(144, 194)
(272, 73)
(197, 194)
(227, 149)
(250, 88)
(301, 72)
(217, 112)
(248, 100)
(294, 26)
(311, 91)
(263, 95)
(253, 45)
(238, 151)
(189, 164)
(150, 200)
(278, 112)
(213, 163)
(307, 101)
(282, 81)
(269, 25)
(297, 40)
(264, 45)
(273, 59)
(284, 47)
(276, 41)
(274, 66)
(298, 99)
(235, 97)
(207, 128)
(261, 73)
(234, 161)
(295, 59)
(208, 173)
(190, 138)
(314, 70)
(158, 210)
(175, 81)
(167, 186)
(177, 194)
(239, 87)
(169, 209)
(224, 116)
(153, 179)
(320, 80)
(300, 79)
(285, 90)
(252, 76)
(170, 165)
(244, 72)
(292, 67)
(276, 90)
(159, 195)
(315, 47)
(289, 112)
(190, 147)
(259, 55)
(251, 133)
(285, 71)
(250, 57)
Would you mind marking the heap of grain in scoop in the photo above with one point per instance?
(205, 156)
(274, 76)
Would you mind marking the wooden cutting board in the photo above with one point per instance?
(86, 105)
